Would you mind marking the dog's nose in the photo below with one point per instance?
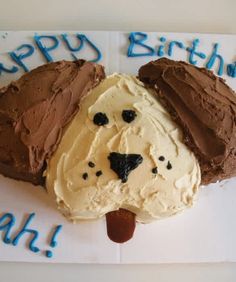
(123, 164)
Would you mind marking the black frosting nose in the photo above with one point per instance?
(123, 164)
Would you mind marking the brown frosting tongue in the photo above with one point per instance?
(205, 108)
(35, 109)
(120, 225)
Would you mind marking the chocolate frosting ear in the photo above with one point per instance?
(204, 106)
(35, 109)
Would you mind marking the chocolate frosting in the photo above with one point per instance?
(35, 109)
(204, 106)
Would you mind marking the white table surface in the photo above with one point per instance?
(216, 16)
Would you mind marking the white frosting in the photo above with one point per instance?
(152, 134)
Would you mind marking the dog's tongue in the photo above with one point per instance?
(120, 225)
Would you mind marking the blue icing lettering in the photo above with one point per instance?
(82, 40)
(6, 223)
(213, 58)
(192, 52)
(18, 58)
(90, 43)
(74, 57)
(48, 254)
(53, 242)
(231, 69)
(8, 70)
(137, 38)
(160, 51)
(45, 50)
(68, 44)
(25, 230)
(171, 46)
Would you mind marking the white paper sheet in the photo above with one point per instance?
(205, 233)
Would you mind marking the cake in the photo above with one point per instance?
(137, 149)
(133, 149)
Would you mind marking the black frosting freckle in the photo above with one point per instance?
(128, 115)
(98, 173)
(123, 164)
(154, 170)
(100, 119)
(169, 166)
(85, 175)
(91, 164)
(161, 158)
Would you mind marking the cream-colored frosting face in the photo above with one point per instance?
(151, 134)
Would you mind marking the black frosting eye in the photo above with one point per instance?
(128, 115)
(100, 119)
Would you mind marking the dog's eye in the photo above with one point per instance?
(128, 115)
(100, 119)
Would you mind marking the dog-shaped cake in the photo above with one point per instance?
(136, 149)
